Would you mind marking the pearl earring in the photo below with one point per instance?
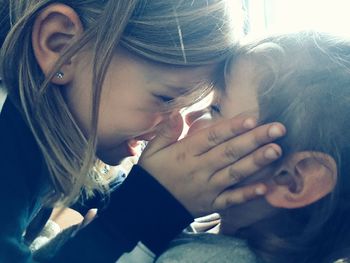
(59, 75)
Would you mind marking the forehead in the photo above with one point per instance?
(182, 77)
(242, 71)
(240, 93)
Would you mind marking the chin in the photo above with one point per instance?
(114, 156)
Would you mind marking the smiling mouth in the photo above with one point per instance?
(135, 147)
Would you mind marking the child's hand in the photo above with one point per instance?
(198, 169)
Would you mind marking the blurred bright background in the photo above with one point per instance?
(290, 15)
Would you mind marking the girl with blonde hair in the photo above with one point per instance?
(87, 79)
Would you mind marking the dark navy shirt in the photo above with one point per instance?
(139, 210)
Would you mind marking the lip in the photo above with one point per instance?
(132, 147)
(114, 156)
(146, 137)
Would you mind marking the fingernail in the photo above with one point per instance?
(261, 190)
(275, 131)
(249, 123)
(271, 153)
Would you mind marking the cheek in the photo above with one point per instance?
(127, 126)
(146, 121)
(79, 105)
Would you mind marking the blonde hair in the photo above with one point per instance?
(174, 32)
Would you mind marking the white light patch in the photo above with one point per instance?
(291, 15)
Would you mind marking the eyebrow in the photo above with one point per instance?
(179, 89)
(188, 89)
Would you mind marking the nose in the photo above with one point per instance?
(162, 116)
(198, 120)
(194, 115)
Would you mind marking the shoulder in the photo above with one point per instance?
(207, 247)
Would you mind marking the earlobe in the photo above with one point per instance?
(302, 179)
(54, 29)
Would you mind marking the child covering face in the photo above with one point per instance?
(303, 81)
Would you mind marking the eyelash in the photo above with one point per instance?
(164, 99)
(215, 109)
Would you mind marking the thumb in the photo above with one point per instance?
(169, 133)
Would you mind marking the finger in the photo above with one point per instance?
(207, 218)
(204, 226)
(238, 196)
(168, 134)
(237, 148)
(246, 167)
(207, 138)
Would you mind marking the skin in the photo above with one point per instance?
(300, 179)
(132, 108)
(135, 95)
(239, 99)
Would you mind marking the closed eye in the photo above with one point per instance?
(164, 99)
(215, 109)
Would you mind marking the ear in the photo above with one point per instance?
(54, 29)
(302, 179)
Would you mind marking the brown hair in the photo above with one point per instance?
(304, 83)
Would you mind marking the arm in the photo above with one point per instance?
(177, 190)
(21, 185)
(117, 229)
